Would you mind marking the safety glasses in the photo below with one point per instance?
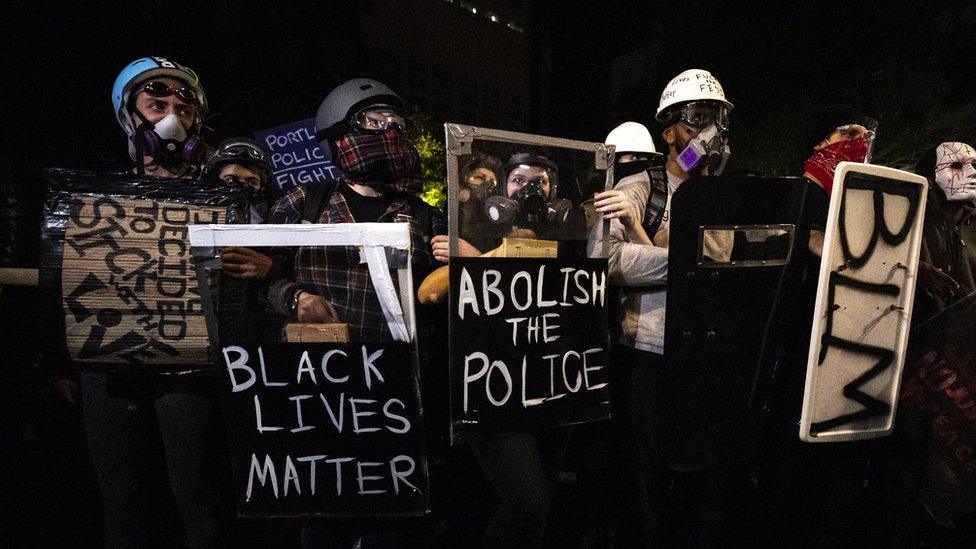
(240, 150)
(701, 114)
(160, 89)
(378, 118)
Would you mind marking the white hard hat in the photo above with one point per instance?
(631, 137)
(691, 85)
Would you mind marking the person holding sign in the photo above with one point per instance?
(242, 162)
(361, 122)
(150, 428)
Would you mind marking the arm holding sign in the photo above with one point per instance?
(634, 259)
(285, 297)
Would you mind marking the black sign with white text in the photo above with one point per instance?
(529, 344)
(325, 429)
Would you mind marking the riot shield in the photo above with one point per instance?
(528, 290)
(935, 430)
(736, 260)
(864, 303)
(116, 270)
(324, 418)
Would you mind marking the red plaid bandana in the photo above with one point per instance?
(381, 160)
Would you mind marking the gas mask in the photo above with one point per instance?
(528, 207)
(167, 142)
(955, 171)
(709, 149)
(478, 185)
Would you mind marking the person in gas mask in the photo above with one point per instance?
(529, 200)
(145, 429)
(695, 115)
(241, 162)
(161, 105)
(947, 261)
(477, 183)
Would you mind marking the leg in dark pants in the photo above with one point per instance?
(125, 451)
(522, 467)
(129, 435)
(196, 460)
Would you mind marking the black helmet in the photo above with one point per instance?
(244, 151)
(348, 98)
(530, 159)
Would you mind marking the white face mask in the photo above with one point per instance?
(170, 128)
(955, 171)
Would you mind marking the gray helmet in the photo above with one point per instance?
(345, 101)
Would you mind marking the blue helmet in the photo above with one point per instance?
(143, 69)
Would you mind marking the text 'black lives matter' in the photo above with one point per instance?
(325, 429)
(529, 344)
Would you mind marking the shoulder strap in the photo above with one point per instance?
(657, 201)
(316, 194)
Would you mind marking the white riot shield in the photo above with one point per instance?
(864, 303)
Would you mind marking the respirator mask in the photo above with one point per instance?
(709, 149)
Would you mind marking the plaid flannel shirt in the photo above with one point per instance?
(336, 272)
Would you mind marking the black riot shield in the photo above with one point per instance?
(736, 300)
(935, 431)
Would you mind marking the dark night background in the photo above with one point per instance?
(573, 69)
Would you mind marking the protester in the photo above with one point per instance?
(694, 113)
(947, 264)
(361, 122)
(148, 429)
(242, 162)
(160, 105)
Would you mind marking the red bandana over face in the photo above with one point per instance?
(823, 163)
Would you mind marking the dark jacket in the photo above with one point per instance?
(948, 245)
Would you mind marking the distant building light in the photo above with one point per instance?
(493, 17)
(469, 6)
(515, 26)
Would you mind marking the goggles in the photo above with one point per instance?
(378, 118)
(701, 114)
(240, 150)
(160, 89)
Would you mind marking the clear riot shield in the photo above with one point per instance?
(528, 291)
(323, 418)
(736, 297)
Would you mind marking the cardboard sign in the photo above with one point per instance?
(296, 158)
(325, 429)
(129, 288)
(118, 281)
(864, 303)
(529, 344)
